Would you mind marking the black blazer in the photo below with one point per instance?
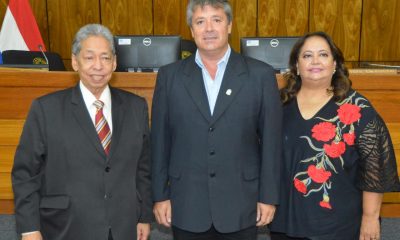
(215, 168)
(65, 185)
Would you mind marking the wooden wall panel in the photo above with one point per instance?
(394, 129)
(3, 7)
(127, 16)
(6, 206)
(10, 132)
(397, 154)
(342, 20)
(392, 197)
(282, 17)
(376, 40)
(7, 158)
(20, 104)
(382, 90)
(65, 18)
(6, 162)
(244, 21)
(388, 107)
(380, 38)
(170, 18)
(5, 186)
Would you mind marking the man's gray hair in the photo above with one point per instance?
(193, 4)
(90, 30)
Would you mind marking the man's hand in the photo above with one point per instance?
(265, 214)
(32, 236)
(162, 211)
(143, 231)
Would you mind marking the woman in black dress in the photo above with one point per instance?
(338, 157)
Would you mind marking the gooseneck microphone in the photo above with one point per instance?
(44, 55)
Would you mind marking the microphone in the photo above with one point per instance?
(44, 55)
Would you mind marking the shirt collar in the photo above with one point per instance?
(89, 98)
(224, 59)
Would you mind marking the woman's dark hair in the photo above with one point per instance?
(340, 83)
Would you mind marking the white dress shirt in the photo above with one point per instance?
(89, 99)
(213, 85)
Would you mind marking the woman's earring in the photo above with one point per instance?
(298, 72)
(334, 70)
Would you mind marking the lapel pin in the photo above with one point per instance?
(228, 92)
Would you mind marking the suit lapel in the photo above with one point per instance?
(117, 118)
(231, 84)
(193, 81)
(82, 116)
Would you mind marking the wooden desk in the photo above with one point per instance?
(19, 88)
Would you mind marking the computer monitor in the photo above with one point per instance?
(273, 50)
(139, 53)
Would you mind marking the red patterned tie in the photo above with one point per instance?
(102, 128)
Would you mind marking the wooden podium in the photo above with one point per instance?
(19, 87)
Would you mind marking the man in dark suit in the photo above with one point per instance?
(82, 167)
(216, 127)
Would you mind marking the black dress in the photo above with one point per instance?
(328, 161)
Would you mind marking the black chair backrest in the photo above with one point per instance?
(188, 47)
(33, 57)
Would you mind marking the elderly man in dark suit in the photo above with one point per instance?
(216, 127)
(82, 167)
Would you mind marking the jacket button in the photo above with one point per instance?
(212, 175)
(211, 129)
(212, 152)
(107, 169)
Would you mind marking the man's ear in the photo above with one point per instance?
(191, 31)
(230, 28)
(115, 63)
(74, 63)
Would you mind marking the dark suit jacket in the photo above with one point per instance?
(65, 185)
(215, 168)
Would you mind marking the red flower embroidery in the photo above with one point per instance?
(318, 175)
(349, 113)
(335, 150)
(349, 138)
(325, 204)
(300, 186)
(324, 131)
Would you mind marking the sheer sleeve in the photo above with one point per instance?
(377, 166)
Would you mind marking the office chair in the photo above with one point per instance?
(188, 47)
(33, 57)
